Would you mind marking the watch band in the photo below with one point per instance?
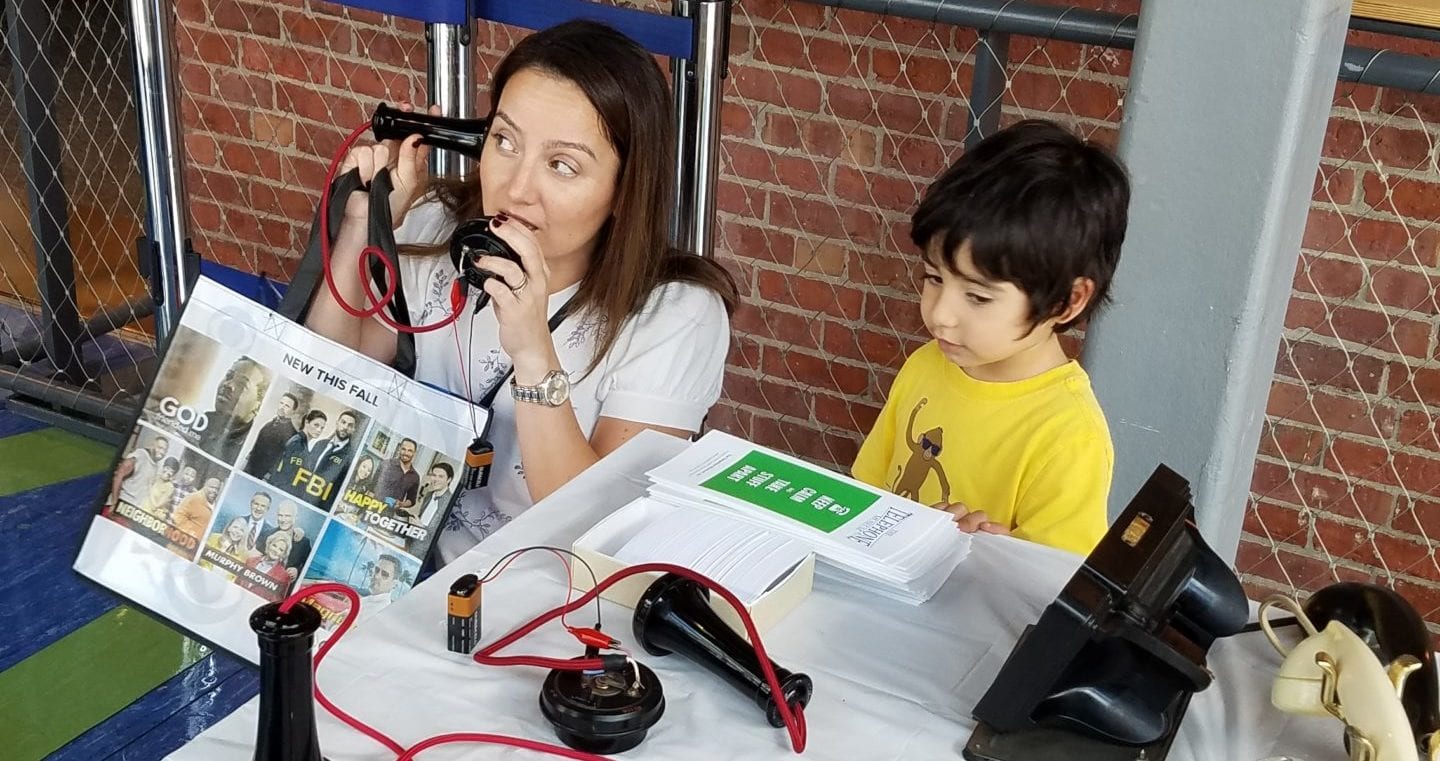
(552, 391)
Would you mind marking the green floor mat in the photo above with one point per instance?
(85, 677)
(49, 456)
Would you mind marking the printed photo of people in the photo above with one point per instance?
(261, 538)
(207, 394)
(154, 477)
(305, 445)
(399, 490)
(378, 572)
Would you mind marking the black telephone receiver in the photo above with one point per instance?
(465, 136)
(473, 239)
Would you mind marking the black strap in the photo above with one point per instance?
(311, 273)
(555, 320)
(382, 236)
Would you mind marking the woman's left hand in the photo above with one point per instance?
(520, 296)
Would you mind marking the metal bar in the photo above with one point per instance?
(63, 395)
(1056, 23)
(682, 80)
(1384, 68)
(35, 85)
(1394, 29)
(1401, 71)
(92, 431)
(98, 324)
(987, 86)
(450, 75)
(712, 22)
(162, 159)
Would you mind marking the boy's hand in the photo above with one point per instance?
(971, 521)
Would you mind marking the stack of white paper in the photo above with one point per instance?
(863, 535)
(743, 557)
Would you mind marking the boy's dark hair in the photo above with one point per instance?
(1039, 208)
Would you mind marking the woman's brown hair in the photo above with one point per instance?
(628, 91)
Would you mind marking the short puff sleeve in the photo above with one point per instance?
(668, 363)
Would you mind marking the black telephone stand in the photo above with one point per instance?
(286, 731)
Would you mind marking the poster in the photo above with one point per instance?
(266, 458)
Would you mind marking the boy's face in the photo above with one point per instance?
(983, 325)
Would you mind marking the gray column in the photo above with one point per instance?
(1224, 122)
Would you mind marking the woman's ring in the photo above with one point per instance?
(516, 289)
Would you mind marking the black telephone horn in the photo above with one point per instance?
(674, 615)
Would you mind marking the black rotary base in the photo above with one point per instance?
(602, 712)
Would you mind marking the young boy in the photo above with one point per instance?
(990, 420)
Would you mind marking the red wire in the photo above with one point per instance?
(793, 717)
(392, 275)
(320, 698)
(569, 584)
(518, 742)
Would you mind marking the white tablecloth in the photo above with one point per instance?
(892, 681)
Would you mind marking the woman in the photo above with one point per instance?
(365, 477)
(576, 170)
(230, 541)
(272, 565)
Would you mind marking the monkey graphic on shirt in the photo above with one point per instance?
(924, 459)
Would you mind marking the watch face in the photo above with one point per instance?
(556, 389)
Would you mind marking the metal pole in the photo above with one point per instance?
(119, 409)
(451, 79)
(712, 38)
(1051, 22)
(682, 80)
(1380, 68)
(988, 86)
(162, 159)
(35, 85)
(98, 324)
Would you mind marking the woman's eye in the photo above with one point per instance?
(563, 169)
(979, 300)
(504, 143)
(932, 278)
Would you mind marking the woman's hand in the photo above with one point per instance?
(409, 164)
(520, 296)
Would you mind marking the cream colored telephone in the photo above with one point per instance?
(1333, 673)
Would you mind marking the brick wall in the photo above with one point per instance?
(1347, 481)
(834, 123)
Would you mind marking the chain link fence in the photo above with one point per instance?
(1347, 481)
(835, 123)
(268, 92)
(71, 207)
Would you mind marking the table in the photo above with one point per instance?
(892, 681)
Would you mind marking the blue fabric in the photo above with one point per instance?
(659, 33)
(257, 288)
(429, 11)
(667, 35)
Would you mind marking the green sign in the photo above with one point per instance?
(794, 491)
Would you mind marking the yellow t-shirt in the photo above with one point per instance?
(1035, 454)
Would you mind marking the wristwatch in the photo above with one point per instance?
(552, 391)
